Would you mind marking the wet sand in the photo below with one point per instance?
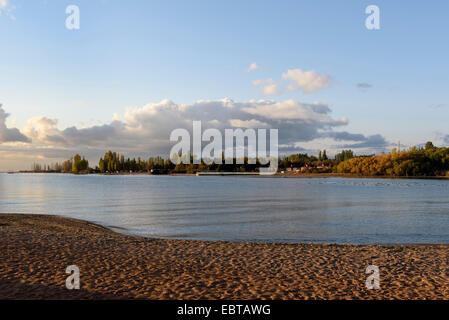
(35, 251)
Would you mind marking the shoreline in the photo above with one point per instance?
(36, 249)
(277, 175)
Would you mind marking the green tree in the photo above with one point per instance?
(76, 163)
(429, 145)
(324, 156)
(101, 165)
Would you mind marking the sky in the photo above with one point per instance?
(136, 70)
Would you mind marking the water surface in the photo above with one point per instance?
(337, 210)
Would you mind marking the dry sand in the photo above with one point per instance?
(35, 251)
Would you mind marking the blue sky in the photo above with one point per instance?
(129, 54)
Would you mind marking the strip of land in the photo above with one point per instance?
(252, 174)
(35, 251)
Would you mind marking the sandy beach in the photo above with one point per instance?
(35, 251)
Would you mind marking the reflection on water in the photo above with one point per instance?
(241, 208)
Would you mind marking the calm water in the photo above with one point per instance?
(241, 208)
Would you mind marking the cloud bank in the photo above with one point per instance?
(146, 130)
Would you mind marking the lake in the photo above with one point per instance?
(275, 209)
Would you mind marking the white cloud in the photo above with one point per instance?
(253, 66)
(294, 110)
(306, 81)
(270, 87)
(9, 134)
(3, 4)
(40, 128)
(6, 7)
(250, 124)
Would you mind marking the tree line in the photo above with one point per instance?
(114, 162)
(416, 161)
(77, 164)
